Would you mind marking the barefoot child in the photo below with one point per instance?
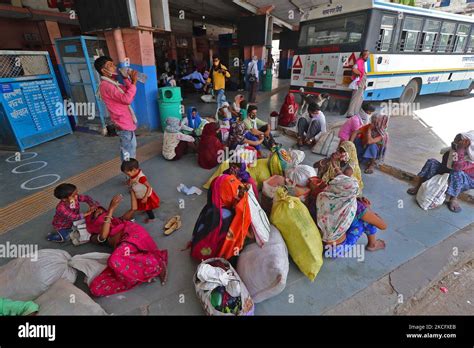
(68, 210)
(147, 199)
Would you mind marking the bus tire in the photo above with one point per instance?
(410, 92)
(463, 92)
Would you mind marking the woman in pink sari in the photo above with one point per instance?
(136, 258)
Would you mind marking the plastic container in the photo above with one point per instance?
(169, 104)
(141, 77)
(267, 81)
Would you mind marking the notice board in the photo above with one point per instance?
(31, 111)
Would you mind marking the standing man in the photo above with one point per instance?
(217, 76)
(117, 99)
(358, 72)
(253, 78)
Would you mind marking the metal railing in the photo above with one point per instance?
(19, 64)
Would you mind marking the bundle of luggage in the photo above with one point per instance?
(281, 225)
(220, 289)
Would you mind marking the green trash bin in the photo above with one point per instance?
(267, 81)
(169, 104)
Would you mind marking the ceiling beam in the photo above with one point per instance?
(246, 5)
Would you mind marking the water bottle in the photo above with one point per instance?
(140, 76)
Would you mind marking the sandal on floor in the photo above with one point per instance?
(369, 170)
(411, 191)
(176, 226)
(454, 208)
(164, 275)
(172, 221)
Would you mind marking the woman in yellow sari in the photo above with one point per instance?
(345, 161)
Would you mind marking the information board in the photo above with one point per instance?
(34, 111)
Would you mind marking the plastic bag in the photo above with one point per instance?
(432, 193)
(79, 234)
(260, 224)
(297, 157)
(354, 84)
(270, 186)
(91, 264)
(63, 298)
(299, 231)
(264, 270)
(300, 174)
(279, 161)
(24, 279)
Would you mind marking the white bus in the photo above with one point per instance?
(414, 51)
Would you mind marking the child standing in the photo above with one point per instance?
(147, 199)
(68, 210)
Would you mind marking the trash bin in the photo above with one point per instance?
(267, 80)
(169, 104)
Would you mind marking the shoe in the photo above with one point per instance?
(172, 221)
(176, 226)
(60, 236)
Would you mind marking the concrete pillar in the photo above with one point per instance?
(173, 51)
(49, 32)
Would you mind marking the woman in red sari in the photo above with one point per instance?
(136, 258)
(209, 146)
(288, 111)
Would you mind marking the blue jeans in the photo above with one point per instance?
(128, 144)
(220, 97)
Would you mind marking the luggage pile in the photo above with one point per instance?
(281, 225)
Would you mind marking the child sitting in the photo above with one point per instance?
(146, 198)
(68, 210)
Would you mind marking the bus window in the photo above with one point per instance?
(470, 47)
(342, 30)
(429, 35)
(461, 38)
(386, 33)
(411, 32)
(447, 36)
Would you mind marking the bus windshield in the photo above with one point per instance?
(346, 29)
